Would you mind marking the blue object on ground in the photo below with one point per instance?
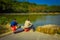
(19, 30)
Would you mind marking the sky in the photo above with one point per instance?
(48, 2)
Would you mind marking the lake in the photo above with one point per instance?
(37, 20)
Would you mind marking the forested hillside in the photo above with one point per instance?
(14, 6)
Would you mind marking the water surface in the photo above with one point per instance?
(37, 20)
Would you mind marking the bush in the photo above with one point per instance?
(3, 29)
(46, 30)
(58, 31)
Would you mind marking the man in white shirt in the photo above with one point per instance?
(28, 24)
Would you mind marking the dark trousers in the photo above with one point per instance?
(32, 27)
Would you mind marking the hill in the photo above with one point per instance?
(11, 6)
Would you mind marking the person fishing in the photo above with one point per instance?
(14, 25)
(28, 25)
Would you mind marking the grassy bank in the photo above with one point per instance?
(4, 29)
(49, 29)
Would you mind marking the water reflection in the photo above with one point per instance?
(45, 20)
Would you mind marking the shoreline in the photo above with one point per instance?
(29, 13)
(44, 26)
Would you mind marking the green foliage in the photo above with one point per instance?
(3, 20)
(8, 6)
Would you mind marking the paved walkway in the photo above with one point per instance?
(31, 36)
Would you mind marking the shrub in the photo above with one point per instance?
(51, 30)
(58, 31)
(3, 29)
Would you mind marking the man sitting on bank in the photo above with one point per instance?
(14, 25)
(28, 25)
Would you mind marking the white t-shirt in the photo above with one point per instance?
(27, 24)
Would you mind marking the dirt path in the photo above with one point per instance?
(31, 36)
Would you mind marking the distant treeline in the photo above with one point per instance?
(14, 6)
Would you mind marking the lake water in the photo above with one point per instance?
(37, 20)
(45, 20)
(40, 20)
